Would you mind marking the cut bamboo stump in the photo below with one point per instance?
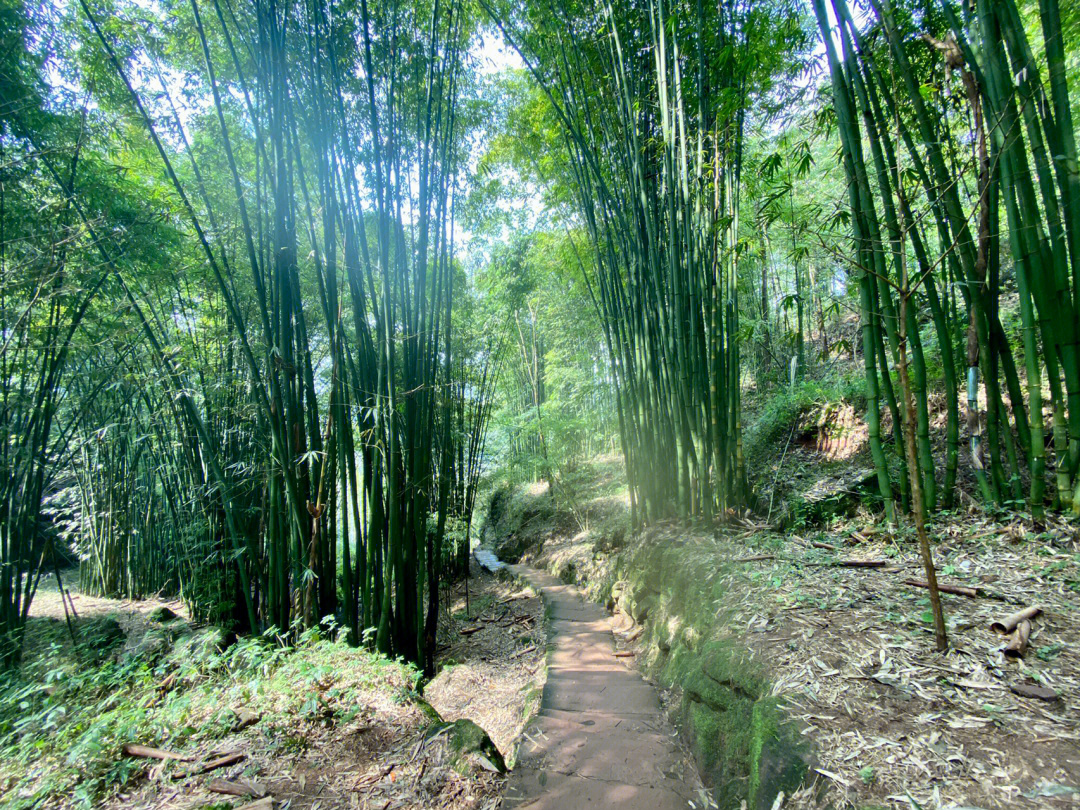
(1017, 645)
(1010, 623)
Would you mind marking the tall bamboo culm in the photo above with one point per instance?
(341, 139)
(652, 100)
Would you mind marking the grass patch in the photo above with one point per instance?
(64, 716)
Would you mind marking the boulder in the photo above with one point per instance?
(161, 614)
(468, 743)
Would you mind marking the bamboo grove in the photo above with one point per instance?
(652, 98)
(298, 380)
(251, 349)
(959, 151)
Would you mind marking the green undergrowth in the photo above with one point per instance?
(66, 714)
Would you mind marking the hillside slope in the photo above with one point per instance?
(794, 655)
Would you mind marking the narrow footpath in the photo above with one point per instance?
(600, 738)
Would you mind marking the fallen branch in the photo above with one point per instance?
(214, 764)
(756, 558)
(513, 598)
(851, 563)
(624, 653)
(266, 803)
(524, 619)
(528, 649)
(955, 590)
(1010, 623)
(145, 752)
(468, 631)
(826, 546)
(228, 788)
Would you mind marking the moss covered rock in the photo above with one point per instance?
(742, 743)
(779, 757)
(470, 745)
(161, 614)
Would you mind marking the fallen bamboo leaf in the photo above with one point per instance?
(834, 776)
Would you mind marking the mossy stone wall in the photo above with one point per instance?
(744, 746)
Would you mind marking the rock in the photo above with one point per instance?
(1030, 690)
(431, 713)
(161, 614)
(245, 717)
(470, 744)
(780, 759)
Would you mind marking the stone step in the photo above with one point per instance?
(538, 789)
(600, 739)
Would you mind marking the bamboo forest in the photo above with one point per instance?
(539, 404)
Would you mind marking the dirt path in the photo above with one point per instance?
(491, 665)
(600, 739)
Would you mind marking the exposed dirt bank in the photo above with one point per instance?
(492, 667)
